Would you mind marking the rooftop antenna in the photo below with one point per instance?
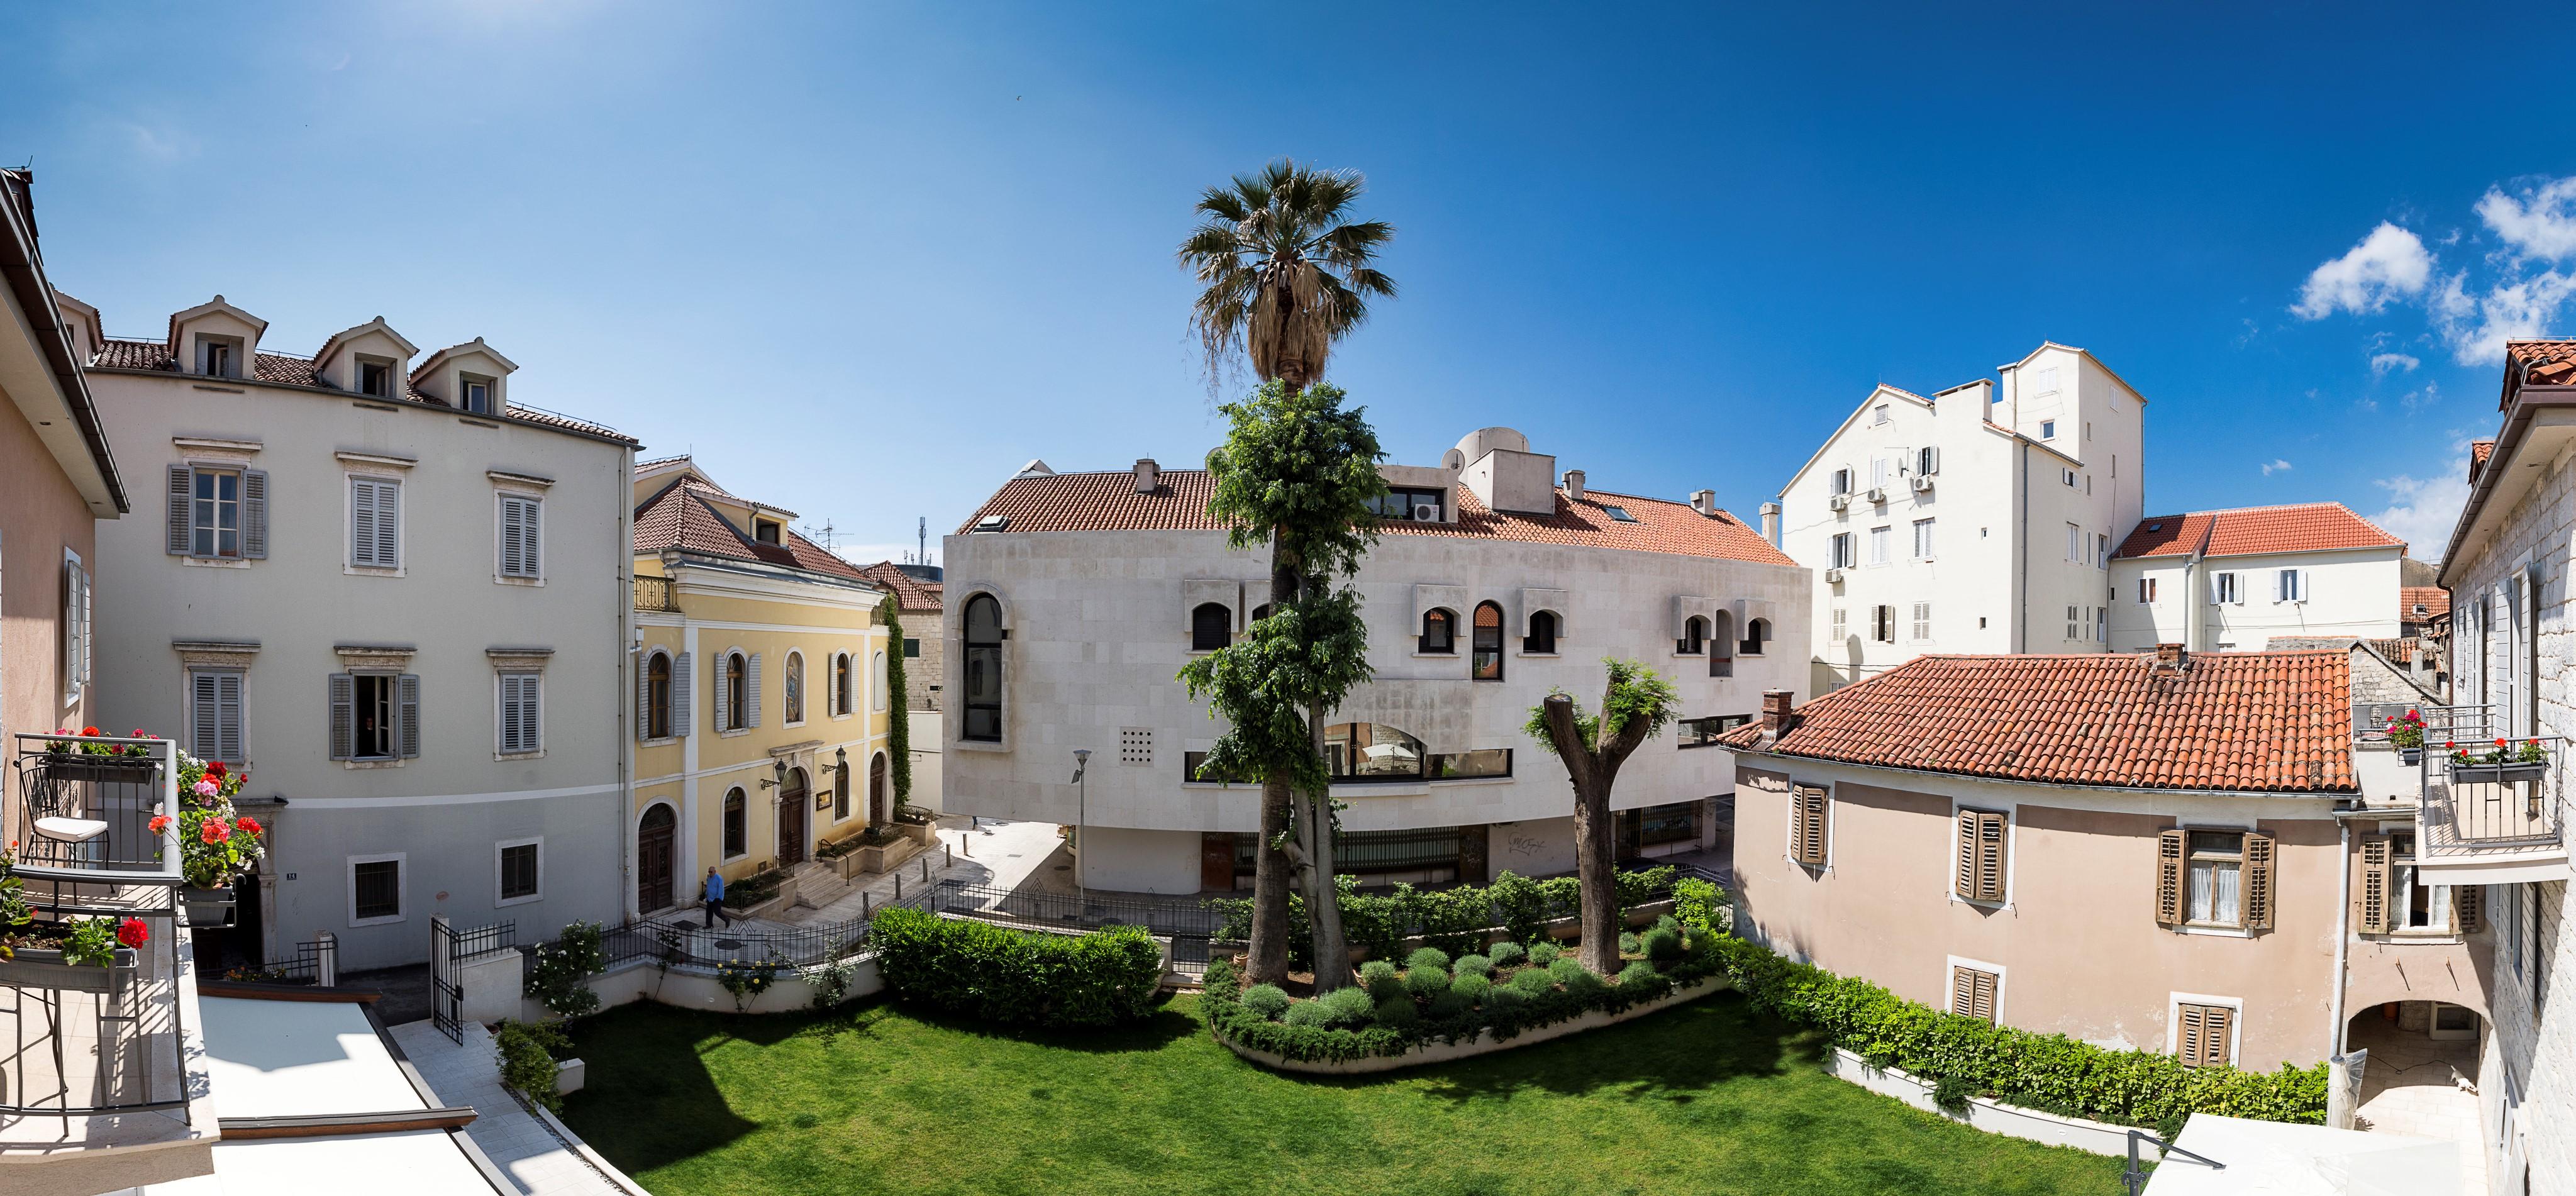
(922, 533)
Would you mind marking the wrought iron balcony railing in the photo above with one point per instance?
(654, 593)
(88, 818)
(2482, 805)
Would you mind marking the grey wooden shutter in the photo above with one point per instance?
(509, 687)
(407, 698)
(2468, 908)
(682, 714)
(344, 716)
(182, 479)
(2258, 881)
(2170, 892)
(362, 522)
(724, 691)
(228, 717)
(751, 693)
(531, 524)
(254, 514)
(644, 694)
(389, 524)
(532, 704)
(203, 711)
(2373, 897)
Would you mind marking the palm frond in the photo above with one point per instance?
(1282, 273)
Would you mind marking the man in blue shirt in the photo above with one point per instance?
(715, 900)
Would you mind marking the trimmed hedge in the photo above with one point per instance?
(1108, 976)
(1456, 921)
(2048, 1072)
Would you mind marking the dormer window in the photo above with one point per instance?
(375, 377)
(474, 395)
(765, 530)
(218, 357)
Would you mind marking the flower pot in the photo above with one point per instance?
(43, 967)
(2410, 756)
(2497, 774)
(114, 770)
(207, 907)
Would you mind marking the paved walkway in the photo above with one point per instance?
(2413, 1085)
(533, 1155)
(996, 853)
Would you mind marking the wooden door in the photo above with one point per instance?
(878, 813)
(653, 860)
(1216, 861)
(791, 819)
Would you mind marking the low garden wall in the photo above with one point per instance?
(1484, 1043)
(692, 987)
(1988, 1114)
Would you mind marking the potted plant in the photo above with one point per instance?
(79, 756)
(215, 845)
(89, 955)
(2506, 763)
(2406, 734)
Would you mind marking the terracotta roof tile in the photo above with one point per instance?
(2252, 721)
(2434, 599)
(677, 516)
(2245, 531)
(2398, 651)
(1067, 502)
(284, 370)
(2542, 363)
(2479, 451)
(911, 593)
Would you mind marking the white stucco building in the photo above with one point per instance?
(1981, 519)
(393, 597)
(1072, 600)
(2222, 581)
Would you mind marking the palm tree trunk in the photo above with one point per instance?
(1595, 862)
(1323, 896)
(1267, 956)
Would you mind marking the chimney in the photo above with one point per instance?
(1149, 476)
(1775, 713)
(1704, 502)
(1771, 523)
(1574, 485)
(2170, 658)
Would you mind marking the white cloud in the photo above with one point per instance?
(2391, 263)
(2477, 329)
(2381, 363)
(2277, 466)
(2540, 224)
(2422, 511)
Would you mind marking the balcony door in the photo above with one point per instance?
(654, 853)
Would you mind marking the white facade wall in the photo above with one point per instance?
(2002, 572)
(446, 812)
(2348, 593)
(1099, 627)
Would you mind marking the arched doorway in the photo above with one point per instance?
(655, 842)
(791, 818)
(878, 814)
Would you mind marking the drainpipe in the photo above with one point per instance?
(2343, 936)
(626, 644)
(2021, 635)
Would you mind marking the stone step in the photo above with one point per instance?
(819, 884)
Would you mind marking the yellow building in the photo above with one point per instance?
(761, 715)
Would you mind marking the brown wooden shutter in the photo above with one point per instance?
(2468, 908)
(2187, 1035)
(1990, 856)
(2258, 881)
(1972, 994)
(2374, 884)
(1965, 886)
(1808, 824)
(2169, 878)
(2203, 1032)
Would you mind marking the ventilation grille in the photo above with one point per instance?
(1136, 746)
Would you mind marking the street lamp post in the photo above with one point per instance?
(1082, 816)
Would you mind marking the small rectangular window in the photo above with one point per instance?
(2146, 589)
(1883, 623)
(375, 890)
(1972, 993)
(2074, 622)
(1923, 539)
(375, 378)
(375, 523)
(475, 395)
(1701, 732)
(2074, 544)
(374, 717)
(522, 713)
(2048, 429)
(2205, 1035)
(1412, 503)
(2294, 585)
(1879, 416)
(214, 524)
(518, 871)
(1878, 540)
(215, 716)
(1841, 624)
(1842, 481)
(1922, 622)
(1842, 550)
(1619, 513)
(522, 519)
(911, 646)
(2224, 588)
(765, 530)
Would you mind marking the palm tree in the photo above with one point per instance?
(1286, 273)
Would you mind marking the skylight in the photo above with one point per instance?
(1619, 513)
(992, 523)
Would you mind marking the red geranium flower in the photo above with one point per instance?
(89, 730)
(2499, 743)
(159, 824)
(132, 932)
(214, 768)
(247, 825)
(213, 830)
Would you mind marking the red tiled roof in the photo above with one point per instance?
(279, 369)
(1076, 502)
(2245, 531)
(2434, 599)
(911, 593)
(2398, 651)
(677, 516)
(2253, 721)
(2542, 363)
(2479, 451)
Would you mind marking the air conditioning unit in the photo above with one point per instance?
(1833, 577)
(1839, 502)
(1922, 482)
(1426, 513)
(1878, 494)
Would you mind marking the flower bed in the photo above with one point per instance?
(1432, 1000)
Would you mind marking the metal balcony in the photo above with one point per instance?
(2482, 823)
(655, 593)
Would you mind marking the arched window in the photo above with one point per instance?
(841, 678)
(879, 701)
(983, 669)
(1721, 660)
(1487, 662)
(737, 683)
(657, 696)
(1261, 612)
(1371, 752)
(795, 687)
(878, 813)
(737, 828)
(1439, 632)
(1541, 640)
(1694, 637)
(841, 788)
(1757, 632)
(1211, 627)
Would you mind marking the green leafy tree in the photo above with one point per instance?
(1285, 272)
(1634, 707)
(898, 707)
(1298, 471)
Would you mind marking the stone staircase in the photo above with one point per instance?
(817, 883)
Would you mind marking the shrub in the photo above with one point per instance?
(831, 983)
(999, 974)
(555, 975)
(1432, 958)
(1661, 944)
(1640, 975)
(2048, 1072)
(747, 979)
(1628, 943)
(1347, 1007)
(1307, 1013)
(1952, 1093)
(1638, 888)
(1533, 981)
(1472, 965)
(1425, 982)
(1398, 1012)
(1668, 922)
(1268, 1000)
(1700, 906)
(1544, 952)
(1449, 1004)
(1471, 985)
(1387, 986)
(1520, 905)
(1503, 998)
(1370, 971)
(1504, 955)
(527, 1053)
(1566, 968)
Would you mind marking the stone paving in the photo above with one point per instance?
(2420, 1086)
(536, 1158)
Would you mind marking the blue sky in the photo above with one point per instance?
(866, 261)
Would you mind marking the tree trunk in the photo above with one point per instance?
(1595, 864)
(1323, 896)
(1267, 961)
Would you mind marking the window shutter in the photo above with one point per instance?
(2258, 882)
(2187, 1030)
(2216, 1024)
(182, 523)
(203, 729)
(344, 716)
(389, 525)
(1990, 856)
(2374, 884)
(2468, 908)
(681, 712)
(510, 713)
(531, 526)
(512, 556)
(2169, 879)
(82, 579)
(1964, 885)
(724, 692)
(644, 695)
(1808, 824)
(228, 717)
(254, 514)
(1972, 994)
(362, 522)
(751, 693)
(407, 697)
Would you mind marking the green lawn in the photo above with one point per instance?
(1705, 1098)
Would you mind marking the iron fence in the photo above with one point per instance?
(449, 951)
(654, 593)
(304, 967)
(1193, 926)
(2476, 806)
(90, 816)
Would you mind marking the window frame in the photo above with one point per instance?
(1757, 632)
(658, 702)
(75, 584)
(1882, 540)
(1882, 623)
(1922, 623)
(880, 684)
(1694, 639)
(241, 713)
(2146, 591)
(845, 676)
(1537, 643)
(372, 562)
(531, 568)
(991, 653)
(402, 885)
(1923, 539)
(736, 678)
(1445, 641)
(792, 693)
(1843, 554)
(501, 871)
(533, 744)
(2235, 1007)
(1485, 663)
(1203, 631)
(388, 686)
(1992, 971)
(206, 522)
(2193, 858)
(733, 825)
